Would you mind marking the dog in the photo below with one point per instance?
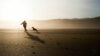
(34, 29)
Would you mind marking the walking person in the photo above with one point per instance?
(24, 23)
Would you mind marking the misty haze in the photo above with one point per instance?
(76, 23)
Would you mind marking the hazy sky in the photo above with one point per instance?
(48, 9)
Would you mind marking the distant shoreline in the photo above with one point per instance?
(79, 29)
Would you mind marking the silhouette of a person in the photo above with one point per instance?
(24, 23)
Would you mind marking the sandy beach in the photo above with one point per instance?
(76, 42)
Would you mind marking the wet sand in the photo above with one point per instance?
(77, 42)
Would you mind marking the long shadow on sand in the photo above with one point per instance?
(36, 38)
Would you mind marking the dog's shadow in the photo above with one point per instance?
(36, 38)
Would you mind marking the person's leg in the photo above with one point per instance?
(25, 28)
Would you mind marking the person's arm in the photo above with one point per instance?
(21, 23)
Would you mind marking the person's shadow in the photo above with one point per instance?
(36, 38)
